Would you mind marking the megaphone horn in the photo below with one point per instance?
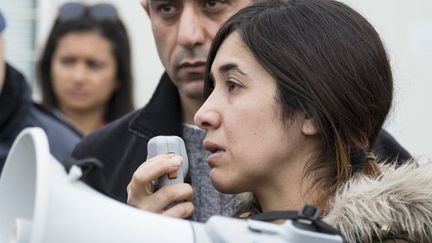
(41, 203)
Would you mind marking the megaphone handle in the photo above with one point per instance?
(173, 178)
(169, 144)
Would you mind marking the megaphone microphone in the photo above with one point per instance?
(169, 145)
(165, 145)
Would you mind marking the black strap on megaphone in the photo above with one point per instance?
(92, 171)
(308, 213)
(86, 164)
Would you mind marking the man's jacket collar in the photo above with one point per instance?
(162, 115)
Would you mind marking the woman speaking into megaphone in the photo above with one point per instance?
(296, 95)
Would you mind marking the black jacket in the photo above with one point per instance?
(18, 112)
(122, 145)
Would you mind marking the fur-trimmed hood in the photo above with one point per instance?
(397, 204)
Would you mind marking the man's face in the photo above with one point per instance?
(183, 31)
(2, 63)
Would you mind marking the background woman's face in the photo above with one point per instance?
(83, 71)
(250, 146)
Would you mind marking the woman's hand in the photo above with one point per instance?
(141, 192)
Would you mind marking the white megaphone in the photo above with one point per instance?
(41, 203)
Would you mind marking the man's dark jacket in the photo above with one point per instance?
(122, 145)
(19, 112)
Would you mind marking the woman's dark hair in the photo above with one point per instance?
(329, 64)
(115, 32)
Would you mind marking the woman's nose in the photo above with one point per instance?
(207, 118)
(79, 73)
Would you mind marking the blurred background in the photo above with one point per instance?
(405, 27)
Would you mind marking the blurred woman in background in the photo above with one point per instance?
(18, 111)
(85, 68)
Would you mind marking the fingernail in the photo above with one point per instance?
(175, 161)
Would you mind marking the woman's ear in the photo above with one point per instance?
(309, 127)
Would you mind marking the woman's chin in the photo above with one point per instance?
(221, 183)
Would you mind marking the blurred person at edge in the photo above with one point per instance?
(183, 32)
(17, 111)
(85, 68)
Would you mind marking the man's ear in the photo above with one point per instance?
(309, 127)
(145, 5)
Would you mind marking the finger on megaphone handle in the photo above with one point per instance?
(168, 195)
(181, 210)
(141, 184)
(161, 199)
(153, 169)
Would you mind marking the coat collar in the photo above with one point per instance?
(397, 204)
(162, 115)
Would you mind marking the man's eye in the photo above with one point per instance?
(166, 10)
(214, 5)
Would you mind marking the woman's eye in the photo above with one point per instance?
(67, 60)
(232, 86)
(94, 65)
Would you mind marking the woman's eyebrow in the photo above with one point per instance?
(230, 67)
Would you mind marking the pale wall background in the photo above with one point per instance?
(405, 27)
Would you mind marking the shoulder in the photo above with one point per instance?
(41, 117)
(114, 136)
(61, 137)
(44, 116)
(395, 205)
(388, 148)
(119, 149)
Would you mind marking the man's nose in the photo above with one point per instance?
(191, 30)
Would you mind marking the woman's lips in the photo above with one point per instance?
(77, 93)
(215, 150)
